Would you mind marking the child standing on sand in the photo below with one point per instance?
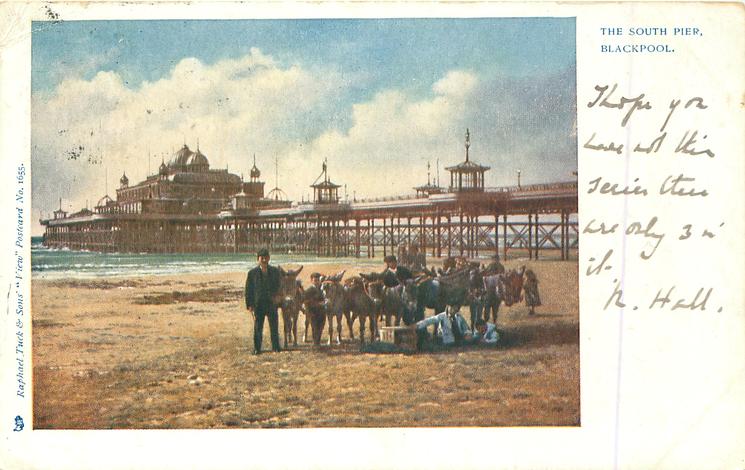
(530, 286)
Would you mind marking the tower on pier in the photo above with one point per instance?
(467, 175)
(324, 191)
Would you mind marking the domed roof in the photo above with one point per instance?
(198, 158)
(181, 157)
(104, 201)
(124, 180)
(277, 194)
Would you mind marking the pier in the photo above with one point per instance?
(188, 207)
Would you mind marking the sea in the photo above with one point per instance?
(64, 263)
(70, 264)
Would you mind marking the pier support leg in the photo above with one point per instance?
(408, 231)
(563, 237)
(504, 236)
(476, 230)
(438, 241)
(450, 238)
(496, 234)
(461, 240)
(530, 236)
(356, 238)
(537, 241)
(385, 242)
(319, 235)
(395, 230)
(422, 233)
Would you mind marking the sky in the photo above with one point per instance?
(378, 99)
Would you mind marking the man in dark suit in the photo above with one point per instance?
(395, 274)
(262, 287)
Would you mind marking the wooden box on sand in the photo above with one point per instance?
(402, 336)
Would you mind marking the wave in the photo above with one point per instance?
(51, 248)
(70, 264)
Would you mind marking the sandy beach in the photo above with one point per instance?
(175, 352)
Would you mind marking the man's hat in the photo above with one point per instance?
(389, 259)
(262, 252)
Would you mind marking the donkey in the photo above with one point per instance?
(397, 302)
(475, 296)
(459, 288)
(494, 288)
(391, 304)
(337, 307)
(290, 300)
(363, 306)
(374, 287)
(409, 298)
(513, 286)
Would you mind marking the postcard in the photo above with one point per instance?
(323, 235)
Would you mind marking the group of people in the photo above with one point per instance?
(450, 327)
(262, 289)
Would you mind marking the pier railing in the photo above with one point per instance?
(568, 185)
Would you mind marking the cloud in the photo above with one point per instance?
(456, 83)
(392, 137)
(526, 124)
(86, 129)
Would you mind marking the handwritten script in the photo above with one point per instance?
(663, 132)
